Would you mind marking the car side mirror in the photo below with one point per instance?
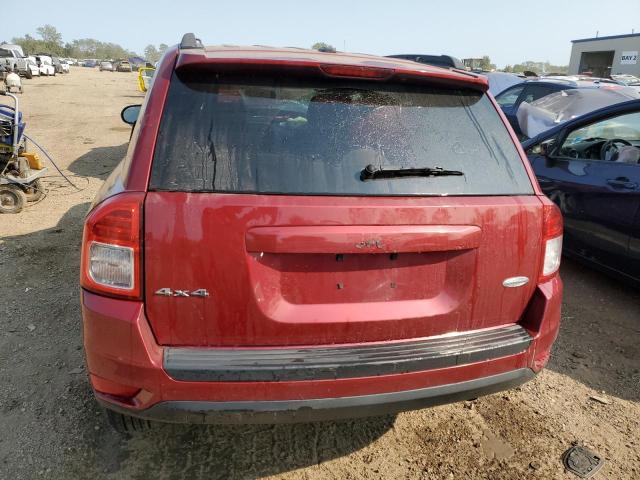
(544, 149)
(130, 113)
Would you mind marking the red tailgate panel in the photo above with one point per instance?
(291, 270)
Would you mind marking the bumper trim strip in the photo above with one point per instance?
(320, 409)
(335, 362)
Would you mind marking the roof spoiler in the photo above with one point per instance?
(189, 41)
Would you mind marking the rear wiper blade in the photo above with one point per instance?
(370, 172)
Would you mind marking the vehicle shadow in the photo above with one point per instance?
(166, 451)
(598, 340)
(213, 451)
(99, 162)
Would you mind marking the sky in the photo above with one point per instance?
(509, 32)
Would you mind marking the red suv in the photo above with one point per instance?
(297, 235)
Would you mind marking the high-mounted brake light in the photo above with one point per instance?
(356, 71)
(551, 242)
(111, 247)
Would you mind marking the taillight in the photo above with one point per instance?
(357, 71)
(111, 247)
(551, 242)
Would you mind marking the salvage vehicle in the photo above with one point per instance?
(60, 65)
(13, 60)
(123, 66)
(500, 81)
(444, 61)
(57, 65)
(33, 66)
(532, 90)
(45, 64)
(548, 112)
(278, 246)
(628, 80)
(590, 167)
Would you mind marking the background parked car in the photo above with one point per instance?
(57, 64)
(45, 64)
(628, 80)
(531, 90)
(500, 81)
(548, 112)
(11, 56)
(106, 67)
(590, 167)
(33, 67)
(444, 61)
(123, 66)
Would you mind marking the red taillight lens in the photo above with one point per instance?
(111, 247)
(551, 242)
(374, 73)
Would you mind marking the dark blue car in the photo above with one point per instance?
(590, 167)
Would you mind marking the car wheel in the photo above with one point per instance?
(12, 199)
(35, 191)
(29, 75)
(126, 424)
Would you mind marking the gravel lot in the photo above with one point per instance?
(52, 428)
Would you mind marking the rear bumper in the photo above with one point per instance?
(311, 410)
(132, 374)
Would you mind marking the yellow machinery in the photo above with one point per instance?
(145, 78)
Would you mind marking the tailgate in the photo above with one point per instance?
(287, 270)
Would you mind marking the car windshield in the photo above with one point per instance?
(288, 136)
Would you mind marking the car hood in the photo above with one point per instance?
(596, 115)
(555, 109)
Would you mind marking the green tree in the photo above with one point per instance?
(51, 38)
(323, 47)
(536, 67)
(162, 48)
(29, 44)
(91, 48)
(51, 42)
(151, 53)
(485, 63)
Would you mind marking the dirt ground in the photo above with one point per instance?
(52, 428)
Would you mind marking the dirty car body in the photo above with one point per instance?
(297, 235)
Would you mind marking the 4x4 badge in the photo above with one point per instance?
(167, 292)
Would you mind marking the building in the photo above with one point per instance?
(606, 56)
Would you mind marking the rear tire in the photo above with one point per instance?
(12, 199)
(127, 425)
(35, 191)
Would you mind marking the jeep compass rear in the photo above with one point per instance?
(297, 235)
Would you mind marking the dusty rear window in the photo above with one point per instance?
(278, 135)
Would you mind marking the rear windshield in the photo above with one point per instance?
(279, 135)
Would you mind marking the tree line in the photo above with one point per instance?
(536, 67)
(49, 40)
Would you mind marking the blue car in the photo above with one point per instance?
(590, 167)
